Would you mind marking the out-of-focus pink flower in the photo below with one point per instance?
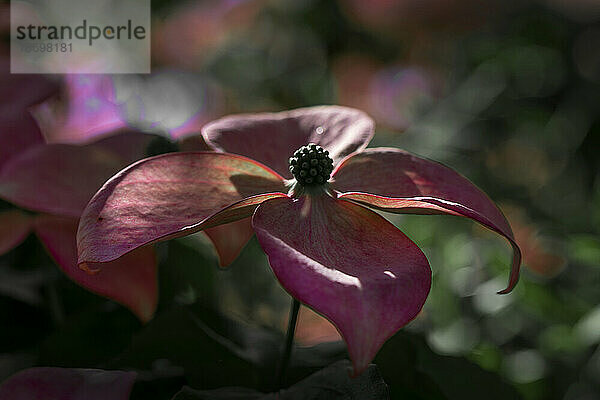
(353, 74)
(326, 248)
(169, 103)
(86, 110)
(394, 95)
(57, 181)
(18, 130)
(420, 15)
(185, 37)
(398, 95)
(21, 91)
(68, 384)
(172, 103)
(15, 225)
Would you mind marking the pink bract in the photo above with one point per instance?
(336, 257)
(326, 248)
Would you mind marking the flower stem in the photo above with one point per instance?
(289, 340)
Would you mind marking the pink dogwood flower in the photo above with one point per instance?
(56, 181)
(87, 108)
(308, 183)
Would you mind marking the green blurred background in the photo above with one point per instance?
(505, 92)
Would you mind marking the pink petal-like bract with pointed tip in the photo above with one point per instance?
(230, 239)
(130, 280)
(15, 225)
(171, 195)
(347, 263)
(52, 383)
(271, 138)
(397, 181)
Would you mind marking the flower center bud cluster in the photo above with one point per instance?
(311, 165)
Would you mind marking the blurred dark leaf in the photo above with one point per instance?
(178, 339)
(161, 384)
(331, 383)
(414, 371)
(89, 338)
(21, 325)
(334, 382)
(233, 393)
(185, 275)
(22, 286)
(585, 249)
(211, 350)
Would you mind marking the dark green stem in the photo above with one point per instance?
(289, 341)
